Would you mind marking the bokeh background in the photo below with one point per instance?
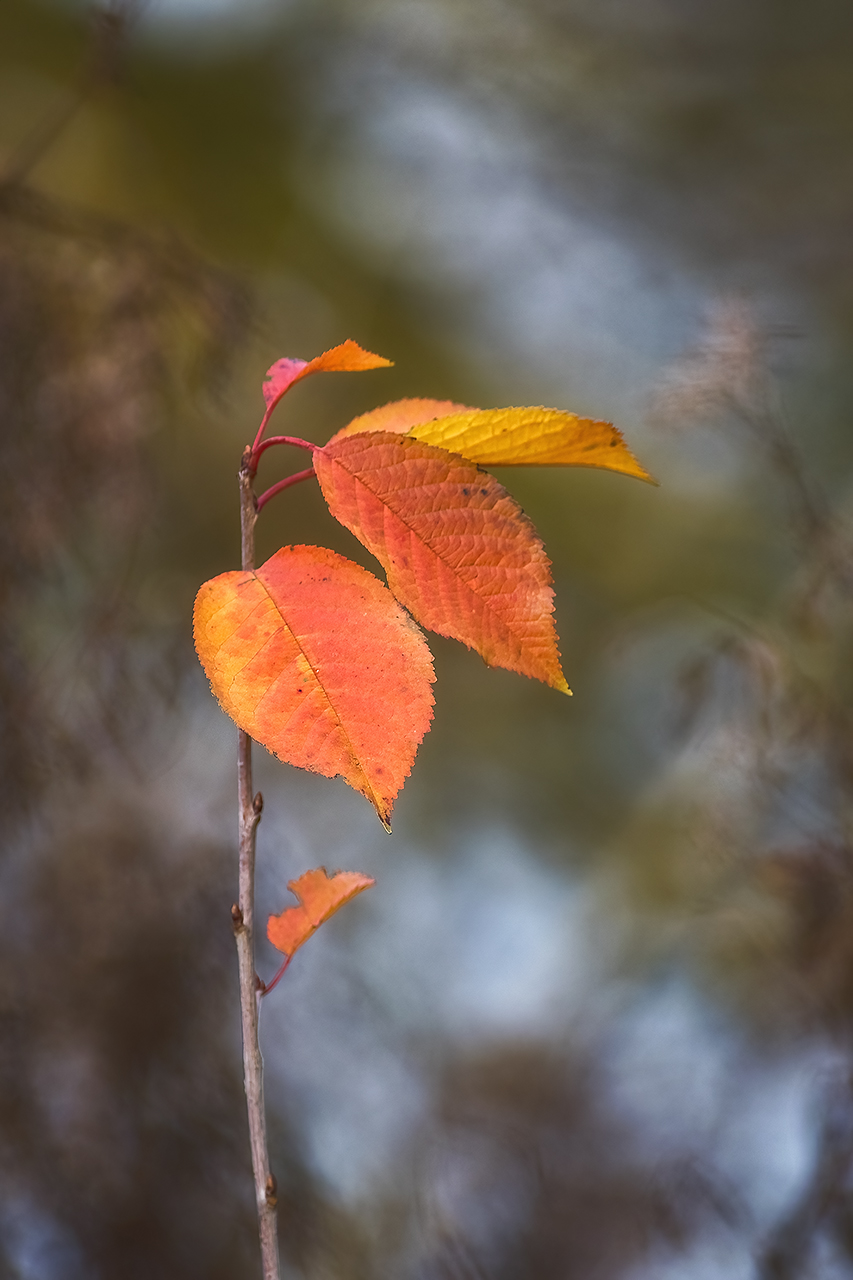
(594, 1021)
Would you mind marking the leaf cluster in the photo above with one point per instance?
(314, 658)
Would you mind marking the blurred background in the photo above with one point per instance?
(594, 1020)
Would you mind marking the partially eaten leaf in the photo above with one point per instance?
(459, 552)
(320, 896)
(312, 656)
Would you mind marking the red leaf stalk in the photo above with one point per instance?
(297, 478)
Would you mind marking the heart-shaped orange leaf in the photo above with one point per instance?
(459, 552)
(531, 437)
(312, 656)
(348, 357)
(320, 896)
(401, 415)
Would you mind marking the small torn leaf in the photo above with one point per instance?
(320, 896)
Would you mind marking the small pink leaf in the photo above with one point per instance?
(348, 357)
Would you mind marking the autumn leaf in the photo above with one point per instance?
(320, 896)
(532, 437)
(459, 552)
(528, 437)
(401, 415)
(349, 357)
(311, 655)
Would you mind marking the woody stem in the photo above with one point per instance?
(243, 912)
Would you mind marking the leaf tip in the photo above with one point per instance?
(348, 356)
(383, 812)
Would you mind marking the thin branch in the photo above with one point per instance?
(41, 138)
(243, 915)
(284, 484)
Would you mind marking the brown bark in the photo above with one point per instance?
(243, 913)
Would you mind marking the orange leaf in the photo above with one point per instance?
(320, 896)
(400, 415)
(459, 552)
(312, 656)
(349, 357)
(531, 437)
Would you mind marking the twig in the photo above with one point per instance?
(243, 916)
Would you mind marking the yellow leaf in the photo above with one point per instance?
(532, 437)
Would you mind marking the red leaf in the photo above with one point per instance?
(320, 896)
(459, 552)
(348, 357)
(312, 656)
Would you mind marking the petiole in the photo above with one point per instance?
(283, 484)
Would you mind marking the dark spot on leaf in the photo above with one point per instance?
(484, 491)
(465, 491)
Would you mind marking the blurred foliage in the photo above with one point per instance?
(172, 220)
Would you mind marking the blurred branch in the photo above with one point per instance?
(110, 24)
(175, 261)
(786, 1252)
(725, 382)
